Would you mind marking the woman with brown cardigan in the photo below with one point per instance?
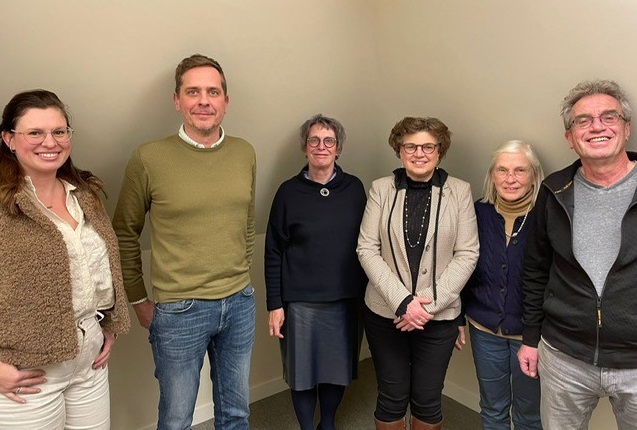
(61, 293)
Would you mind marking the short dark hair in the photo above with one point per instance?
(194, 61)
(411, 125)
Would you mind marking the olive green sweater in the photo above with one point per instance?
(200, 204)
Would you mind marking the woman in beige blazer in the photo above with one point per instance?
(418, 244)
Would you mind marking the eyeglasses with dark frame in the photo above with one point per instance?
(411, 148)
(607, 118)
(314, 141)
(36, 136)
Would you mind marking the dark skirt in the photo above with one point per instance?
(321, 343)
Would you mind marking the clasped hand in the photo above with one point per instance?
(416, 316)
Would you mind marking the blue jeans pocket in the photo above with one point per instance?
(248, 291)
(175, 307)
(164, 313)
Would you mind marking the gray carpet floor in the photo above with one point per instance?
(355, 412)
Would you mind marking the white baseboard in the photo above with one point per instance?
(205, 412)
(258, 392)
(267, 389)
(461, 395)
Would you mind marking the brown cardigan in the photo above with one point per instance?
(37, 326)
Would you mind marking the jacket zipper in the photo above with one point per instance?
(599, 299)
(599, 326)
(599, 304)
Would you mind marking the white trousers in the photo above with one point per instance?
(74, 397)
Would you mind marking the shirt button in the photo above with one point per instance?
(514, 241)
(504, 266)
(424, 271)
(427, 248)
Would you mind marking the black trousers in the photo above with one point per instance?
(410, 366)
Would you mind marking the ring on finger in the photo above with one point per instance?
(17, 390)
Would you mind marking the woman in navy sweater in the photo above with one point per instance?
(314, 281)
(493, 296)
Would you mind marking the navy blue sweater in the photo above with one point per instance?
(493, 296)
(310, 246)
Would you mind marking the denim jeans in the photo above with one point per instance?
(572, 388)
(181, 333)
(410, 367)
(505, 391)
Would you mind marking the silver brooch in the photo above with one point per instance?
(325, 192)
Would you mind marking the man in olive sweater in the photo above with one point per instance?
(198, 189)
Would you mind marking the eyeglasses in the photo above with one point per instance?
(518, 173)
(35, 136)
(610, 117)
(411, 148)
(314, 142)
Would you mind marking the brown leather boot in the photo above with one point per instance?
(416, 424)
(395, 425)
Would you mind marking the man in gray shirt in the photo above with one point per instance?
(580, 324)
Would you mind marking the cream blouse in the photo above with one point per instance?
(91, 278)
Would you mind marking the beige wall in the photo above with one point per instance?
(492, 70)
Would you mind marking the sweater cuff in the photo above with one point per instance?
(274, 303)
(135, 291)
(531, 335)
(402, 308)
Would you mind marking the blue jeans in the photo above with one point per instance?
(503, 386)
(180, 335)
(571, 389)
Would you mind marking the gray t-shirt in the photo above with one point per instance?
(597, 219)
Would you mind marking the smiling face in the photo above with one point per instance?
(420, 166)
(202, 103)
(44, 159)
(598, 142)
(321, 157)
(512, 176)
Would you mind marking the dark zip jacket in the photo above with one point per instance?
(560, 300)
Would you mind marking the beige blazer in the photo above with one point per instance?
(456, 257)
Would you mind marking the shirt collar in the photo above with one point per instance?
(189, 140)
(67, 185)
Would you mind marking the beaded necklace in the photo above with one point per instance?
(422, 222)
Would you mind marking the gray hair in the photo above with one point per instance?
(513, 147)
(589, 88)
(326, 122)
